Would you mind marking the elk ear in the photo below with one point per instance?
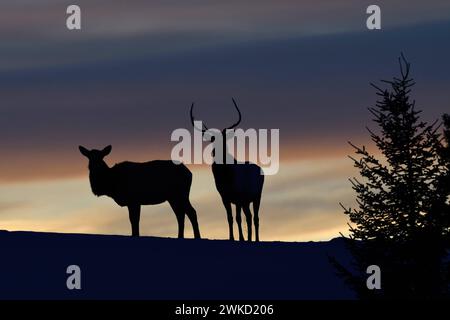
(229, 134)
(106, 150)
(211, 135)
(208, 136)
(84, 151)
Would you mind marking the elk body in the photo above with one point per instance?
(240, 184)
(132, 184)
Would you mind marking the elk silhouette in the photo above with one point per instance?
(237, 183)
(132, 184)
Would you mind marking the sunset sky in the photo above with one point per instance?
(129, 76)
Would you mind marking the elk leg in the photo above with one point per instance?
(192, 215)
(239, 222)
(229, 217)
(248, 217)
(180, 214)
(180, 219)
(134, 212)
(256, 204)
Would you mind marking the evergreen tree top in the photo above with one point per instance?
(396, 193)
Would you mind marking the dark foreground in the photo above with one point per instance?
(34, 265)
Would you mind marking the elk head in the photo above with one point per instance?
(98, 169)
(95, 156)
(226, 133)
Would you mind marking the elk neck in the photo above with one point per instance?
(100, 178)
(227, 158)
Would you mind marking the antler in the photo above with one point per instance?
(206, 128)
(203, 130)
(240, 117)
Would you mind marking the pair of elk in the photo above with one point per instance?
(133, 184)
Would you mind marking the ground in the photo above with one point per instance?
(33, 266)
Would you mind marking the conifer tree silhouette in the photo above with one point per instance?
(443, 206)
(399, 219)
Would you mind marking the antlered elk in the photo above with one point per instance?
(132, 184)
(237, 183)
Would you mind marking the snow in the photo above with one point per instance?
(33, 266)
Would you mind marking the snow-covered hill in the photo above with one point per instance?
(33, 266)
